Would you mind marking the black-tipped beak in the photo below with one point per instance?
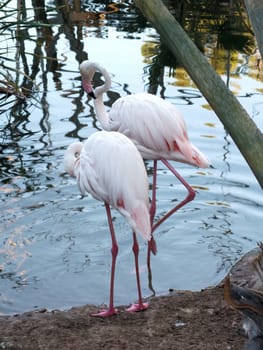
(91, 94)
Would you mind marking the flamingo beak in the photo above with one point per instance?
(88, 88)
(91, 94)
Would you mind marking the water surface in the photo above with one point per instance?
(55, 245)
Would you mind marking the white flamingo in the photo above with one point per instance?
(110, 168)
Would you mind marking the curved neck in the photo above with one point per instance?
(107, 82)
(100, 109)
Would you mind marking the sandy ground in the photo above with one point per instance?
(182, 320)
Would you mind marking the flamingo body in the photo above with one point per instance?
(110, 168)
(105, 167)
(155, 126)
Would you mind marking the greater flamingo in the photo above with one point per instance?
(154, 125)
(109, 167)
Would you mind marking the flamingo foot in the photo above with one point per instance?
(138, 307)
(106, 313)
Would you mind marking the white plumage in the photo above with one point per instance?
(109, 167)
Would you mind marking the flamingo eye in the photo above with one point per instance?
(76, 154)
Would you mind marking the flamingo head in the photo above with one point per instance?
(87, 71)
(71, 157)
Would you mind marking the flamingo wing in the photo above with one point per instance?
(154, 124)
(108, 163)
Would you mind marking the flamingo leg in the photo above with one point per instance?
(140, 306)
(190, 196)
(114, 251)
(153, 202)
(152, 244)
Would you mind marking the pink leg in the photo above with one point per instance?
(188, 198)
(153, 202)
(140, 305)
(152, 244)
(114, 251)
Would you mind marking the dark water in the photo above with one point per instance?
(54, 245)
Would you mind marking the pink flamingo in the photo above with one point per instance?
(110, 168)
(154, 125)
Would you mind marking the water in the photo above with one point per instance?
(55, 245)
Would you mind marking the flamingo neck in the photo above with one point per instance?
(76, 167)
(100, 109)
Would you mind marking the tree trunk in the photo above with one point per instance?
(237, 122)
(255, 13)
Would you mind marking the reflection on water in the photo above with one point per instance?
(53, 253)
